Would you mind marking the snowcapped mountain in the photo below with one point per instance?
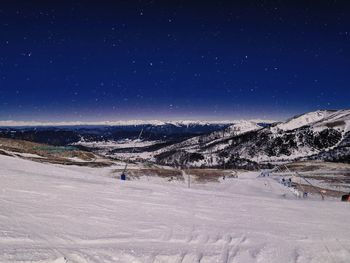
(314, 135)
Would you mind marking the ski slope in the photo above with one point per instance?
(54, 213)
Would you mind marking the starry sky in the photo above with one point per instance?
(210, 60)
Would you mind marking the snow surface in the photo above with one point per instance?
(54, 213)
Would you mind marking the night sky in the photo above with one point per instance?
(119, 60)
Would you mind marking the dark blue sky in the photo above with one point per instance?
(172, 59)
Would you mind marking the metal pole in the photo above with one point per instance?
(189, 180)
(133, 150)
(188, 174)
(302, 177)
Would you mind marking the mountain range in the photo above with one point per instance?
(249, 144)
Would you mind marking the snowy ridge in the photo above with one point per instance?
(321, 118)
(339, 119)
(303, 120)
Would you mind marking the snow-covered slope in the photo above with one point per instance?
(320, 119)
(52, 213)
(339, 120)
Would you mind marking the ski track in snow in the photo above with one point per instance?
(52, 213)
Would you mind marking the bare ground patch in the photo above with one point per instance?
(210, 175)
(51, 154)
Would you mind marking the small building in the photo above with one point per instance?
(346, 198)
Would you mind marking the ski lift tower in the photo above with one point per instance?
(123, 175)
(184, 168)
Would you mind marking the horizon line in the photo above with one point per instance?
(12, 123)
(141, 121)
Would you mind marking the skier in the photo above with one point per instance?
(123, 177)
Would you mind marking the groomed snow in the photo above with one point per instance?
(53, 213)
